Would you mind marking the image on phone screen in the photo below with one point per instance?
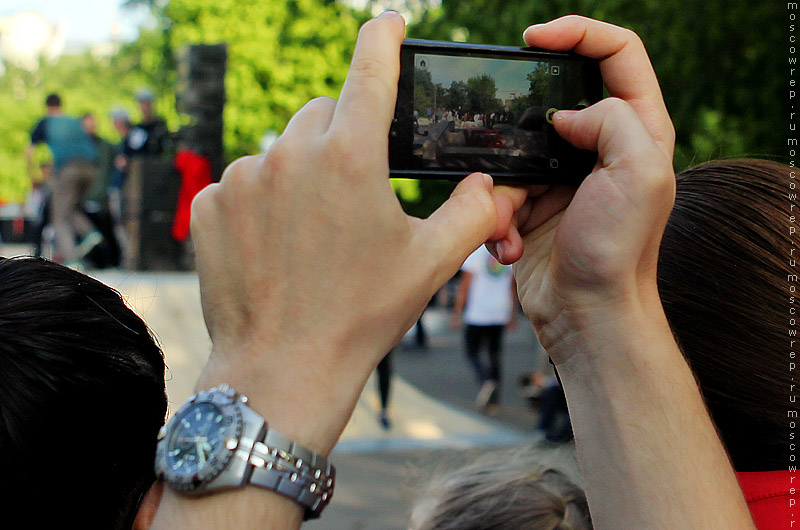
(488, 112)
(471, 111)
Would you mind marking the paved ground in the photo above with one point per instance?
(435, 426)
(377, 488)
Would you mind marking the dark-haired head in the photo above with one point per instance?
(722, 275)
(53, 100)
(81, 400)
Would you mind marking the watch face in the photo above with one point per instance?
(197, 436)
(195, 447)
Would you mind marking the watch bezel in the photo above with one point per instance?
(222, 455)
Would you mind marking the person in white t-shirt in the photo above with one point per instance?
(486, 299)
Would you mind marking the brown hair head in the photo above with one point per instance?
(723, 278)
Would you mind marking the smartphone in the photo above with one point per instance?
(463, 108)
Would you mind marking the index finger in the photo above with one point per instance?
(369, 94)
(627, 72)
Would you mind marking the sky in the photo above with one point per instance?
(510, 76)
(90, 21)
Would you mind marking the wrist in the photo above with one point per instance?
(216, 442)
(630, 392)
(306, 403)
(239, 508)
(282, 405)
(586, 332)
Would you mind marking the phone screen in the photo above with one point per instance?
(461, 111)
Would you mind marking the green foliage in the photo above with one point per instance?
(424, 196)
(538, 80)
(477, 95)
(457, 97)
(280, 55)
(423, 90)
(16, 125)
(535, 97)
(406, 190)
(481, 92)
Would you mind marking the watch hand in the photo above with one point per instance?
(193, 439)
(200, 453)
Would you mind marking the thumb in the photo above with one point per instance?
(460, 225)
(612, 128)
(626, 152)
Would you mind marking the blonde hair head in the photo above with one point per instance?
(502, 491)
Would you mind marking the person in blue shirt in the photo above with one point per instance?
(75, 170)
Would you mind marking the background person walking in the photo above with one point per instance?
(486, 297)
(75, 170)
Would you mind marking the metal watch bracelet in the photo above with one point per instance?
(284, 466)
(248, 453)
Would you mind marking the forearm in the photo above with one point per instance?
(648, 450)
(248, 508)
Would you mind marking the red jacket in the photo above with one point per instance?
(195, 171)
(772, 497)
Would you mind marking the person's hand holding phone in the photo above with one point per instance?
(649, 453)
(597, 247)
(310, 271)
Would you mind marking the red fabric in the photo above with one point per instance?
(772, 497)
(18, 225)
(195, 173)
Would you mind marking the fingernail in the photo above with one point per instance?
(501, 250)
(529, 29)
(388, 13)
(491, 246)
(488, 181)
(564, 114)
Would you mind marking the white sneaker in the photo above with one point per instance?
(485, 394)
(91, 240)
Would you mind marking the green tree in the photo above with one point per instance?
(423, 90)
(280, 55)
(456, 97)
(481, 94)
(519, 105)
(538, 80)
(441, 96)
(537, 92)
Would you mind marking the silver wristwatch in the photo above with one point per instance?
(215, 441)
